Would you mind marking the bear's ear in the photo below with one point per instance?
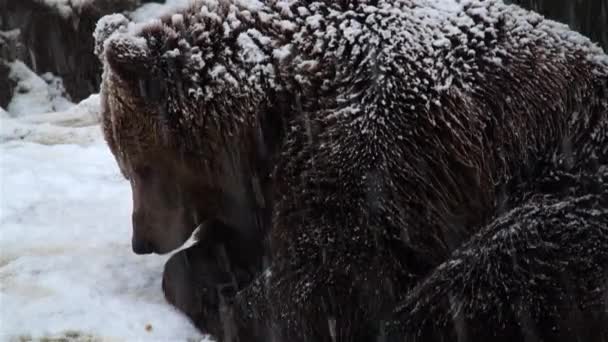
(107, 26)
(129, 56)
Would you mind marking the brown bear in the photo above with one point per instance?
(183, 178)
(438, 168)
(182, 170)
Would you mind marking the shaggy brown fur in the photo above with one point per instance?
(183, 170)
(413, 140)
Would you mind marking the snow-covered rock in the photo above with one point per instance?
(35, 94)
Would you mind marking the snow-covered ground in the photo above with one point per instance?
(66, 267)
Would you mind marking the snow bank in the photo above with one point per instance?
(66, 266)
(76, 125)
(35, 94)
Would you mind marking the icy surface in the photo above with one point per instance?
(66, 266)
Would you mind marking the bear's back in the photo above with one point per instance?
(427, 111)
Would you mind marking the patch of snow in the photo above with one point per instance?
(85, 113)
(282, 52)
(446, 5)
(66, 266)
(107, 26)
(177, 20)
(35, 94)
(250, 5)
(76, 125)
(46, 134)
(314, 21)
(287, 26)
(249, 49)
(155, 10)
(600, 59)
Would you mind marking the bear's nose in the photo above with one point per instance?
(141, 246)
(139, 242)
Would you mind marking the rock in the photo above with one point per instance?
(57, 38)
(10, 45)
(10, 49)
(8, 86)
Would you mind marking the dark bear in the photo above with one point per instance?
(438, 167)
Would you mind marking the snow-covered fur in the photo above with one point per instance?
(450, 156)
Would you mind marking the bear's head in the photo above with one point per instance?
(177, 118)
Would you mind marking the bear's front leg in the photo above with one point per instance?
(537, 273)
(202, 280)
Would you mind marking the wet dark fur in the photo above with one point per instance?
(460, 199)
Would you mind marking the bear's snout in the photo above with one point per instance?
(140, 242)
(141, 246)
(160, 231)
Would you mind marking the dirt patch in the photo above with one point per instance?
(66, 336)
